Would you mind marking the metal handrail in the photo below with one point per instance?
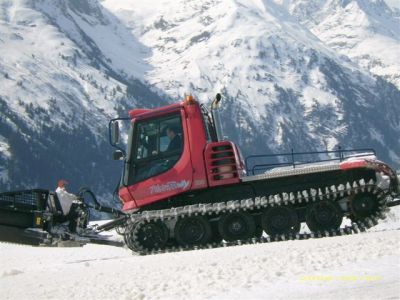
(340, 156)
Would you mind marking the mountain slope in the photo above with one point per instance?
(366, 31)
(58, 89)
(66, 68)
(283, 87)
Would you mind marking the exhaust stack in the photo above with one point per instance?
(216, 116)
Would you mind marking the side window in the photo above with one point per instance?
(147, 139)
(159, 145)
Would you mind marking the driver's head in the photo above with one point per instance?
(170, 133)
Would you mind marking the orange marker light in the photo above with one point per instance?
(189, 100)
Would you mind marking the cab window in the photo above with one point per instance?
(147, 139)
(159, 145)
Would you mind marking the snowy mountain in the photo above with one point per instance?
(67, 67)
(368, 32)
(284, 88)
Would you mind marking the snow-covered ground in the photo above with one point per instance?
(363, 266)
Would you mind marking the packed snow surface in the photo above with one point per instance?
(363, 266)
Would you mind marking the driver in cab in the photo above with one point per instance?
(175, 140)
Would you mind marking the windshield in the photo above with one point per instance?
(154, 146)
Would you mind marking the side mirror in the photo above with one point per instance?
(114, 132)
(118, 155)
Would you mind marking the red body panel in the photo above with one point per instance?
(192, 171)
(136, 112)
(197, 143)
(353, 164)
(176, 180)
(127, 199)
(157, 112)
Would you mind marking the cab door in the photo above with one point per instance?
(160, 163)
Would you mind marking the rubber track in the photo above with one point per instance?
(305, 196)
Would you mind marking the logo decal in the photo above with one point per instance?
(169, 186)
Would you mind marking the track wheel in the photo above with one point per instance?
(280, 220)
(194, 230)
(153, 235)
(236, 226)
(216, 236)
(324, 215)
(258, 232)
(259, 229)
(364, 205)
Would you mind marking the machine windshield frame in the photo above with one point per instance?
(166, 158)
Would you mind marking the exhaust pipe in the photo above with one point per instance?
(216, 116)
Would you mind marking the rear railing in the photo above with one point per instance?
(257, 164)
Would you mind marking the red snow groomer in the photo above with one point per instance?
(184, 186)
